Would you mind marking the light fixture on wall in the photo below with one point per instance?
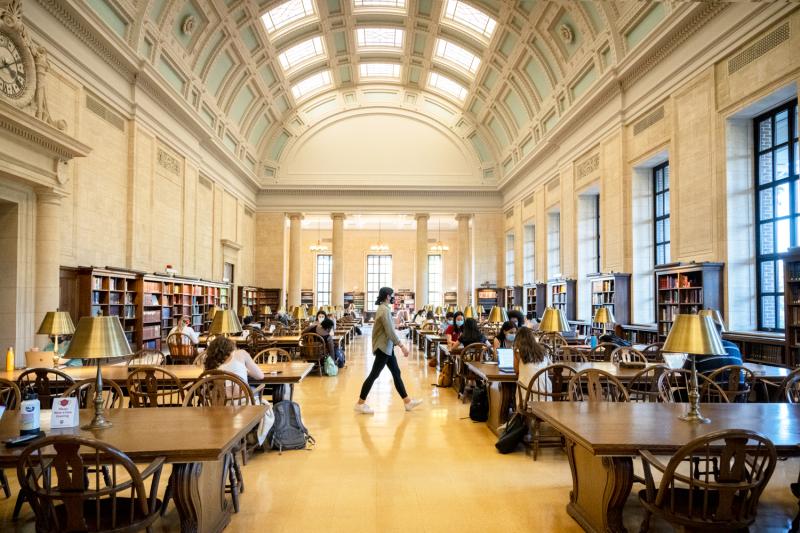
(379, 246)
(439, 246)
(318, 247)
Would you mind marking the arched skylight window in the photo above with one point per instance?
(288, 13)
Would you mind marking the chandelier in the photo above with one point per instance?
(379, 246)
(318, 247)
(439, 246)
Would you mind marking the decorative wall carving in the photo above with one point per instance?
(588, 166)
(168, 162)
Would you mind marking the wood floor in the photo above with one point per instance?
(430, 470)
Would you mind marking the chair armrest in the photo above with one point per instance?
(157, 463)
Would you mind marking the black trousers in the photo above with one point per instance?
(382, 360)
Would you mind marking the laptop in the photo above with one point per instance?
(505, 360)
(38, 359)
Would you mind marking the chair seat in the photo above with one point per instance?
(123, 512)
(680, 512)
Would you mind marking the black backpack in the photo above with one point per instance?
(479, 408)
(288, 431)
(512, 435)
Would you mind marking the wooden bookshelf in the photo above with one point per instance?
(762, 347)
(686, 289)
(641, 334)
(307, 297)
(249, 296)
(562, 296)
(489, 297)
(355, 298)
(450, 298)
(510, 301)
(108, 292)
(404, 298)
(791, 302)
(614, 292)
(535, 300)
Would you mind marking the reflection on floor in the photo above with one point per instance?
(430, 470)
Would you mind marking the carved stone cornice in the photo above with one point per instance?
(33, 130)
(230, 245)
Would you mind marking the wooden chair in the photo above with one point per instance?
(602, 352)
(559, 376)
(313, 349)
(200, 360)
(627, 354)
(463, 379)
(181, 349)
(736, 381)
(643, 387)
(67, 498)
(673, 386)
(47, 383)
(11, 398)
(270, 356)
(146, 357)
(653, 352)
(724, 500)
(594, 385)
(569, 355)
(790, 387)
(553, 339)
(84, 391)
(257, 341)
(151, 386)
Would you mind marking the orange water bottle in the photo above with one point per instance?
(10, 359)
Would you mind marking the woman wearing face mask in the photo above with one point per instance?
(453, 331)
(446, 323)
(505, 339)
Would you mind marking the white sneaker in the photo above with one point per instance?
(363, 409)
(412, 404)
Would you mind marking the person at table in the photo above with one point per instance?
(530, 356)
(430, 321)
(447, 322)
(419, 318)
(321, 315)
(517, 318)
(505, 338)
(248, 321)
(471, 334)
(182, 327)
(282, 317)
(384, 341)
(323, 329)
(706, 365)
(63, 345)
(453, 331)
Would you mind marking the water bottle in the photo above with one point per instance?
(593, 341)
(29, 413)
(10, 363)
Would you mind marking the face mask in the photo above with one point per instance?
(391, 300)
(320, 318)
(511, 337)
(459, 323)
(450, 322)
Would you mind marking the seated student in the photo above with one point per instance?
(616, 337)
(530, 357)
(471, 334)
(419, 318)
(248, 321)
(321, 315)
(505, 338)
(430, 321)
(706, 365)
(453, 331)
(517, 318)
(63, 345)
(182, 326)
(323, 329)
(282, 317)
(448, 321)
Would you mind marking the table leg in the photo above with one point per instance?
(600, 487)
(501, 398)
(199, 494)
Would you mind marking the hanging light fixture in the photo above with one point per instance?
(319, 247)
(379, 246)
(439, 246)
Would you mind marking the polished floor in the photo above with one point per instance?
(430, 470)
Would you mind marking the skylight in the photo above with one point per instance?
(380, 38)
(452, 53)
(301, 53)
(379, 70)
(393, 4)
(311, 84)
(447, 86)
(469, 18)
(286, 13)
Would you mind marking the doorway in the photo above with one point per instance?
(9, 235)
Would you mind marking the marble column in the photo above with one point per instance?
(421, 287)
(48, 254)
(464, 267)
(295, 258)
(337, 250)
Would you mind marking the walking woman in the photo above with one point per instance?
(384, 340)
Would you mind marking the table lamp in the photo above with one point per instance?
(438, 312)
(55, 324)
(481, 311)
(98, 337)
(245, 311)
(604, 316)
(225, 323)
(554, 321)
(469, 312)
(211, 312)
(266, 310)
(498, 315)
(693, 335)
(313, 311)
(451, 308)
(299, 314)
(715, 316)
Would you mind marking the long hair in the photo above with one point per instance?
(505, 328)
(529, 349)
(470, 329)
(384, 295)
(218, 352)
(456, 327)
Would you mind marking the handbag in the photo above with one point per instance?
(330, 367)
(512, 435)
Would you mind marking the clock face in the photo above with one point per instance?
(13, 77)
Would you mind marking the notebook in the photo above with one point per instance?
(505, 359)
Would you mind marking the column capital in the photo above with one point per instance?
(295, 216)
(49, 196)
(418, 216)
(464, 216)
(336, 216)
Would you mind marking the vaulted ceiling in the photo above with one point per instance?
(496, 75)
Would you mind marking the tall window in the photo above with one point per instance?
(379, 274)
(324, 279)
(553, 245)
(597, 232)
(528, 254)
(509, 259)
(435, 271)
(777, 206)
(661, 213)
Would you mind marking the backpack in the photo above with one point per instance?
(330, 367)
(288, 431)
(446, 375)
(512, 435)
(340, 359)
(479, 407)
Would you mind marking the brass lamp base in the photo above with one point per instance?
(99, 421)
(696, 417)
(693, 414)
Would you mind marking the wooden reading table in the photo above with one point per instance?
(500, 387)
(195, 440)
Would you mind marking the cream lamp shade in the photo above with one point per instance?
(481, 310)
(225, 323)
(469, 312)
(451, 308)
(497, 315)
(245, 311)
(282, 309)
(554, 320)
(299, 313)
(695, 335)
(715, 316)
(266, 310)
(212, 311)
(603, 315)
(313, 311)
(56, 323)
(438, 311)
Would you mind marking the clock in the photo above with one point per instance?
(13, 74)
